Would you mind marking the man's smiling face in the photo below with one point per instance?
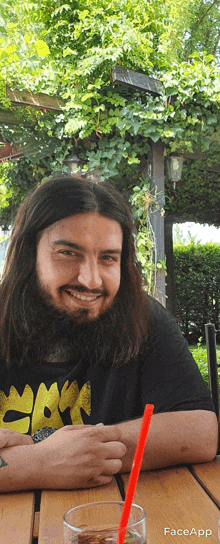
(79, 263)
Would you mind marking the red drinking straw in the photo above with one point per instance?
(136, 467)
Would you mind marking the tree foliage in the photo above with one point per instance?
(193, 25)
(69, 49)
(196, 197)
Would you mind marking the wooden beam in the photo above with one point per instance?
(12, 157)
(136, 80)
(214, 168)
(190, 219)
(33, 148)
(197, 156)
(39, 101)
(8, 117)
(194, 156)
(9, 152)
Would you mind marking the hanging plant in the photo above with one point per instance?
(144, 202)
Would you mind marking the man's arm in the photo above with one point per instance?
(73, 457)
(173, 438)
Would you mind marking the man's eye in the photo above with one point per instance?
(108, 258)
(68, 252)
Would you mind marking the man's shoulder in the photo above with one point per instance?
(157, 313)
(162, 326)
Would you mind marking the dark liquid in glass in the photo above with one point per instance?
(103, 537)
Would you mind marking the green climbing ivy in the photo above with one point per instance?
(69, 49)
(144, 202)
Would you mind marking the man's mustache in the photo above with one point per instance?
(81, 289)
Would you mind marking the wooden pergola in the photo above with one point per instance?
(41, 102)
(162, 226)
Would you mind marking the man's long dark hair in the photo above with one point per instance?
(54, 200)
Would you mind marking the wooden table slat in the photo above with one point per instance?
(36, 525)
(16, 517)
(54, 504)
(174, 499)
(208, 474)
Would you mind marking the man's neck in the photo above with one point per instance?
(58, 353)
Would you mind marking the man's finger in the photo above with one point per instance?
(114, 450)
(109, 432)
(112, 466)
(12, 438)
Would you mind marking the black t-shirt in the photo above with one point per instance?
(57, 394)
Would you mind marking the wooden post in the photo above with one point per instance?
(123, 76)
(170, 282)
(156, 172)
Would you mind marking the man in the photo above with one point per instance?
(83, 349)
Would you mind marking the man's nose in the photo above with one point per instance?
(89, 275)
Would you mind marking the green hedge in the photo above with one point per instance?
(197, 282)
(199, 353)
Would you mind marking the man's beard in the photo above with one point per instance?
(53, 334)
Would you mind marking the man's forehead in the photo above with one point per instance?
(80, 224)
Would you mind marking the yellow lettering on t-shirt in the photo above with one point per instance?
(74, 399)
(46, 399)
(83, 401)
(68, 395)
(46, 408)
(18, 403)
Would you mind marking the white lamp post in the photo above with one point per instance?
(73, 162)
(175, 166)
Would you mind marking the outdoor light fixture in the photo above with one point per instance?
(75, 166)
(175, 166)
(73, 163)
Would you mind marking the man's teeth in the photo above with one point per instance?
(82, 297)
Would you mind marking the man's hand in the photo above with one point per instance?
(86, 457)
(10, 438)
(73, 457)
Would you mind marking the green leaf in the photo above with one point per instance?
(69, 51)
(27, 38)
(133, 160)
(209, 58)
(42, 48)
(195, 54)
(74, 125)
(9, 49)
(212, 119)
(86, 97)
(154, 137)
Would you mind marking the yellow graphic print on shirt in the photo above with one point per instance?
(50, 399)
(14, 401)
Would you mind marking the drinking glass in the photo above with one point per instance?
(98, 522)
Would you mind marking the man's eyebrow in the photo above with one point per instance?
(111, 251)
(73, 245)
(67, 243)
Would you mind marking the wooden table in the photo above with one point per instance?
(178, 501)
